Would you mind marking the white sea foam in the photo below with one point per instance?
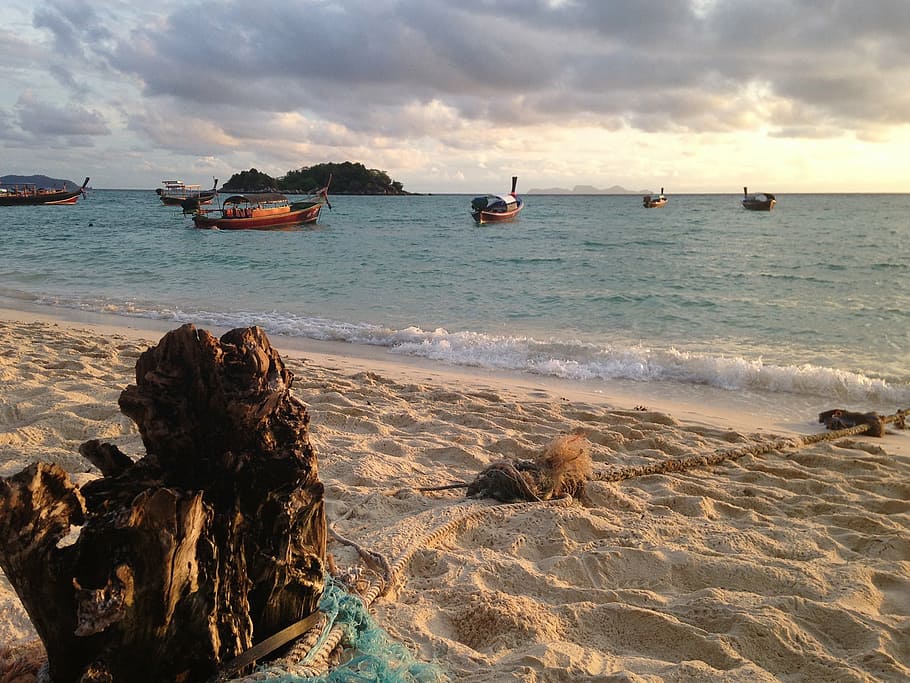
(563, 358)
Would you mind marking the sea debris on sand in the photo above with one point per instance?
(561, 469)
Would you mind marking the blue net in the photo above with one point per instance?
(376, 657)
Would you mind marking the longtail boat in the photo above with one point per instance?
(176, 193)
(30, 194)
(761, 201)
(652, 202)
(262, 211)
(494, 208)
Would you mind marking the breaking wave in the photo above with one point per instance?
(565, 358)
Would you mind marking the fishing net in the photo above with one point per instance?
(372, 654)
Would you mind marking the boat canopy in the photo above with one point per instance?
(256, 198)
(494, 202)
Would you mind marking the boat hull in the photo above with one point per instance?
(266, 221)
(175, 200)
(758, 201)
(654, 201)
(38, 199)
(757, 205)
(496, 216)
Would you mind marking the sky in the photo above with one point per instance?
(458, 96)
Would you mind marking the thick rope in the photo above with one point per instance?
(682, 464)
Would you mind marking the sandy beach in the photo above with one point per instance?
(793, 565)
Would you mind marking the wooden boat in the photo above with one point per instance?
(262, 211)
(494, 208)
(28, 194)
(176, 192)
(761, 201)
(652, 202)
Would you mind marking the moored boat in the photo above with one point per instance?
(176, 192)
(760, 201)
(493, 208)
(262, 211)
(652, 202)
(29, 194)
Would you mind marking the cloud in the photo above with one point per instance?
(46, 121)
(512, 63)
(403, 77)
(76, 27)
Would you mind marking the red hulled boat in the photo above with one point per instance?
(28, 194)
(494, 208)
(652, 202)
(262, 211)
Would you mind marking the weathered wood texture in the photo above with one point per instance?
(211, 541)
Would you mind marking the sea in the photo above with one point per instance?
(808, 301)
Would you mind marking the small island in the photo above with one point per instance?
(347, 178)
(41, 181)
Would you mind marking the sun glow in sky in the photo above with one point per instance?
(690, 95)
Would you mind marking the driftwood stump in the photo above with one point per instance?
(212, 541)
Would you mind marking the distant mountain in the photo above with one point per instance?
(586, 189)
(42, 181)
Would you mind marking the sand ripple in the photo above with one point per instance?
(788, 566)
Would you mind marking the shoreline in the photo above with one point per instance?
(787, 564)
(739, 410)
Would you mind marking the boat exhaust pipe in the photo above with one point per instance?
(514, 183)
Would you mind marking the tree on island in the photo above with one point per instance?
(347, 178)
(250, 181)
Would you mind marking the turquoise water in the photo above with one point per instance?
(810, 299)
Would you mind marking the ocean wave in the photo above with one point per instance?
(576, 360)
(566, 359)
